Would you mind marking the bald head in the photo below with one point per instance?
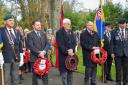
(90, 25)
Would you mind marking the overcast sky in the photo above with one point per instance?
(93, 4)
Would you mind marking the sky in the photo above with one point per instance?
(93, 4)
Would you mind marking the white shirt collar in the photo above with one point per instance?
(121, 29)
(37, 32)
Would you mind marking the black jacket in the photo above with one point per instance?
(87, 42)
(64, 42)
(118, 46)
(36, 44)
(7, 50)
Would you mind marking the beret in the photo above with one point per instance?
(9, 16)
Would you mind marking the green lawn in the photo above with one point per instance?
(81, 68)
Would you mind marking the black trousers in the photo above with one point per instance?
(90, 75)
(108, 65)
(121, 63)
(35, 78)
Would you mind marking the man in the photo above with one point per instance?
(89, 41)
(119, 51)
(108, 63)
(38, 45)
(11, 50)
(66, 46)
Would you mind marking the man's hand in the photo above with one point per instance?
(24, 49)
(113, 55)
(70, 52)
(41, 54)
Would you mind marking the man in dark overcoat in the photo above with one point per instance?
(89, 41)
(66, 46)
(119, 51)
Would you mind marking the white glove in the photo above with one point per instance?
(1, 59)
(97, 51)
(21, 59)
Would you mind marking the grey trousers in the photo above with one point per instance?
(90, 75)
(11, 73)
(36, 77)
(67, 78)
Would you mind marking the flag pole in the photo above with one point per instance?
(103, 74)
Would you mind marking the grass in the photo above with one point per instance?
(81, 68)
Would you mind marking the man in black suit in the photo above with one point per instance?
(119, 51)
(108, 63)
(11, 51)
(89, 41)
(66, 46)
(38, 45)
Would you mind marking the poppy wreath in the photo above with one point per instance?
(42, 66)
(101, 59)
(71, 62)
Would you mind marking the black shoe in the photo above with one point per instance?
(19, 82)
(125, 84)
(109, 79)
(21, 77)
(93, 84)
(105, 81)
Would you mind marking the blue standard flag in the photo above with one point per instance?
(1, 43)
(99, 22)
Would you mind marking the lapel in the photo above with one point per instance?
(36, 38)
(35, 35)
(7, 34)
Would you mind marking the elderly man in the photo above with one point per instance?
(11, 50)
(89, 41)
(66, 46)
(119, 51)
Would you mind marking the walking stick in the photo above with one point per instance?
(2, 74)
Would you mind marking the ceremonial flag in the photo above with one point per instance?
(54, 42)
(61, 15)
(99, 22)
(1, 43)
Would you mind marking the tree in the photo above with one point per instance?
(3, 10)
(112, 12)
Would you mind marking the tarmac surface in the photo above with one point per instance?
(55, 79)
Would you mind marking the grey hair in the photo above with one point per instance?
(66, 20)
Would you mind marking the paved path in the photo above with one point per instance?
(55, 79)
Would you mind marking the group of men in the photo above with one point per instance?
(115, 43)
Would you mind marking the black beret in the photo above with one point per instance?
(122, 21)
(8, 17)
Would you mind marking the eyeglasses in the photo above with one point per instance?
(68, 24)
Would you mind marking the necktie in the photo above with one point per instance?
(38, 34)
(109, 36)
(12, 36)
(39, 40)
(123, 34)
